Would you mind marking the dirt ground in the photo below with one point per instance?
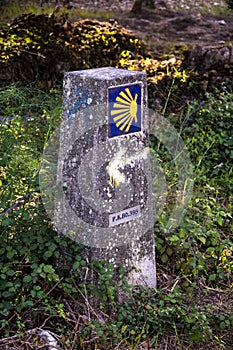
(167, 31)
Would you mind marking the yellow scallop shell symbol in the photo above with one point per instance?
(124, 110)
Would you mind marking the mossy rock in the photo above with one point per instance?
(42, 47)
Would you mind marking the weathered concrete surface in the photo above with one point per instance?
(104, 170)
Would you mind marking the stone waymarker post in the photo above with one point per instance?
(104, 176)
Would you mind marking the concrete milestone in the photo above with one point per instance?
(105, 197)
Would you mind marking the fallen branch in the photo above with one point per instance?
(21, 199)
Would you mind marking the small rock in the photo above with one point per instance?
(222, 22)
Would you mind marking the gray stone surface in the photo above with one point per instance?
(104, 176)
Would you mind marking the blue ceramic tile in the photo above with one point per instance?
(124, 109)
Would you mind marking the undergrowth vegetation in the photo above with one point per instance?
(18, 8)
(43, 47)
(44, 281)
(40, 272)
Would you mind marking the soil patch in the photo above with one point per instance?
(167, 31)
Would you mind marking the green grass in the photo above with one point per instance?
(197, 257)
(40, 272)
(15, 9)
(207, 7)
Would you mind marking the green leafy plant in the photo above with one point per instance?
(44, 279)
(230, 4)
(49, 46)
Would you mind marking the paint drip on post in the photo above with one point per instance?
(103, 172)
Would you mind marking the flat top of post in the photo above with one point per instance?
(107, 73)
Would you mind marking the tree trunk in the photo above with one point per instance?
(137, 6)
